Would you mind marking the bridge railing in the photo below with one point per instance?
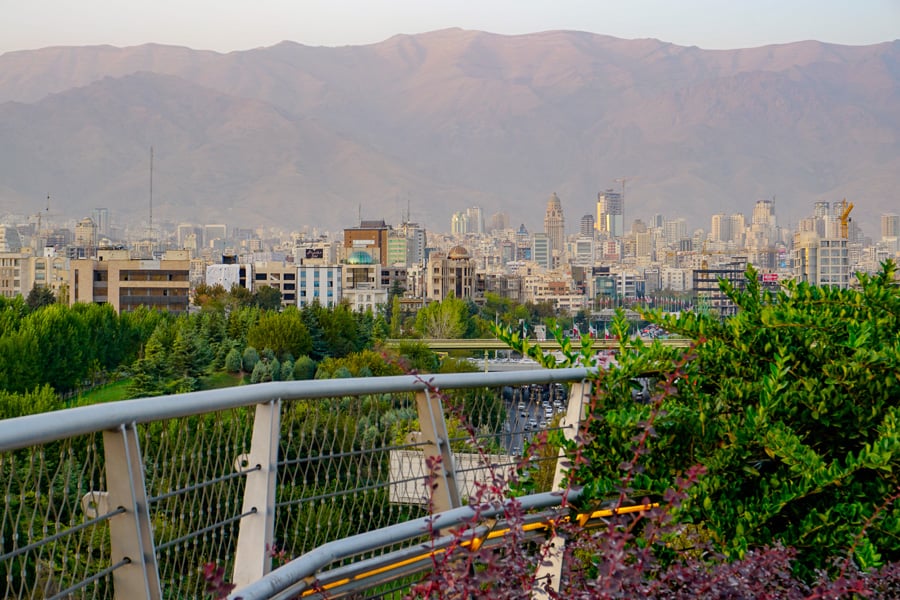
(131, 499)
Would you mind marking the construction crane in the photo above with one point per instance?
(623, 181)
(846, 207)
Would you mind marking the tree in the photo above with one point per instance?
(233, 361)
(238, 297)
(396, 318)
(211, 297)
(249, 359)
(443, 320)
(267, 297)
(282, 332)
(40, 296)
(304, 368)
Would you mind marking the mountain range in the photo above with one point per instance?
(291, 135)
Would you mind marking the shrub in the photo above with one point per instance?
(304, 368)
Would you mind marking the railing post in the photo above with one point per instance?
(252, 558)
(445, 494)
(550, 570)
(130, 534)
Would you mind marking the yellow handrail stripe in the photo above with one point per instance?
(475, 543)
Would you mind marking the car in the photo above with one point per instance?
(533, 423)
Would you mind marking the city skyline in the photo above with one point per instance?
(477, 119)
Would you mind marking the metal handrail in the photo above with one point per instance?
(121, 465)
(294, 576)
(32, 430)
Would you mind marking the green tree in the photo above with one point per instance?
(443, 320)
(267, 297)
(304, 368)
(239, 297)
(40, 296)
(249, 359)
(396, 319)
(421, 358)
(233, 361)
(211, 297)
(283, 332)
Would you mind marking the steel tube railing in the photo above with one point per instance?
(33, 430)
(174, 468)
(295, 575)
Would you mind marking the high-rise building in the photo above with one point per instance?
(476, 220)
(212, 232)
(459, 223)
(890, 226)
(587, 226)
(821, 261)
(499, 221)
(86, 233)
(555, 224)
(100, 217)
(541, 250)
(453, 272)
(371, 236)
(610, 213)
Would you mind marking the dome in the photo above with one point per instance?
(458, 252)
(359, 258)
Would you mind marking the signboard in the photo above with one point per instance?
(315, 252)
(770, 277)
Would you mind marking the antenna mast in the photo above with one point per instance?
(150, 229)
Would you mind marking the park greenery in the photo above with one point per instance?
(790, 409)
(784, 418)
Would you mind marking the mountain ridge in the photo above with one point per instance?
(292, 134)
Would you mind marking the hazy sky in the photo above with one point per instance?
(226, 25)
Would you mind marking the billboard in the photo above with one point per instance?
(315, 252)
(770, 277)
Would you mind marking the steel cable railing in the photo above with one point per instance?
(135, 497)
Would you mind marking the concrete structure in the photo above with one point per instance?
(610, 213)
(319, 283)
(821, 261)
(15, 274)
(542, 250)
(361, 282)
(279, 275)
(50, 271)
(371, 236)
(453, 272)
(230, 275)
(555, 225)
(127, 284)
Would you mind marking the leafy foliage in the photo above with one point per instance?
(791, 406)
(283, 333)
(443, 320)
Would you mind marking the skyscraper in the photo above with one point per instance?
(610, 213)
(476, 220)
(541, 252)
(587, 226)
(555, 224)
(890, 226)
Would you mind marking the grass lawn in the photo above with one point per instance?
(221, 380)
(117, 390)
